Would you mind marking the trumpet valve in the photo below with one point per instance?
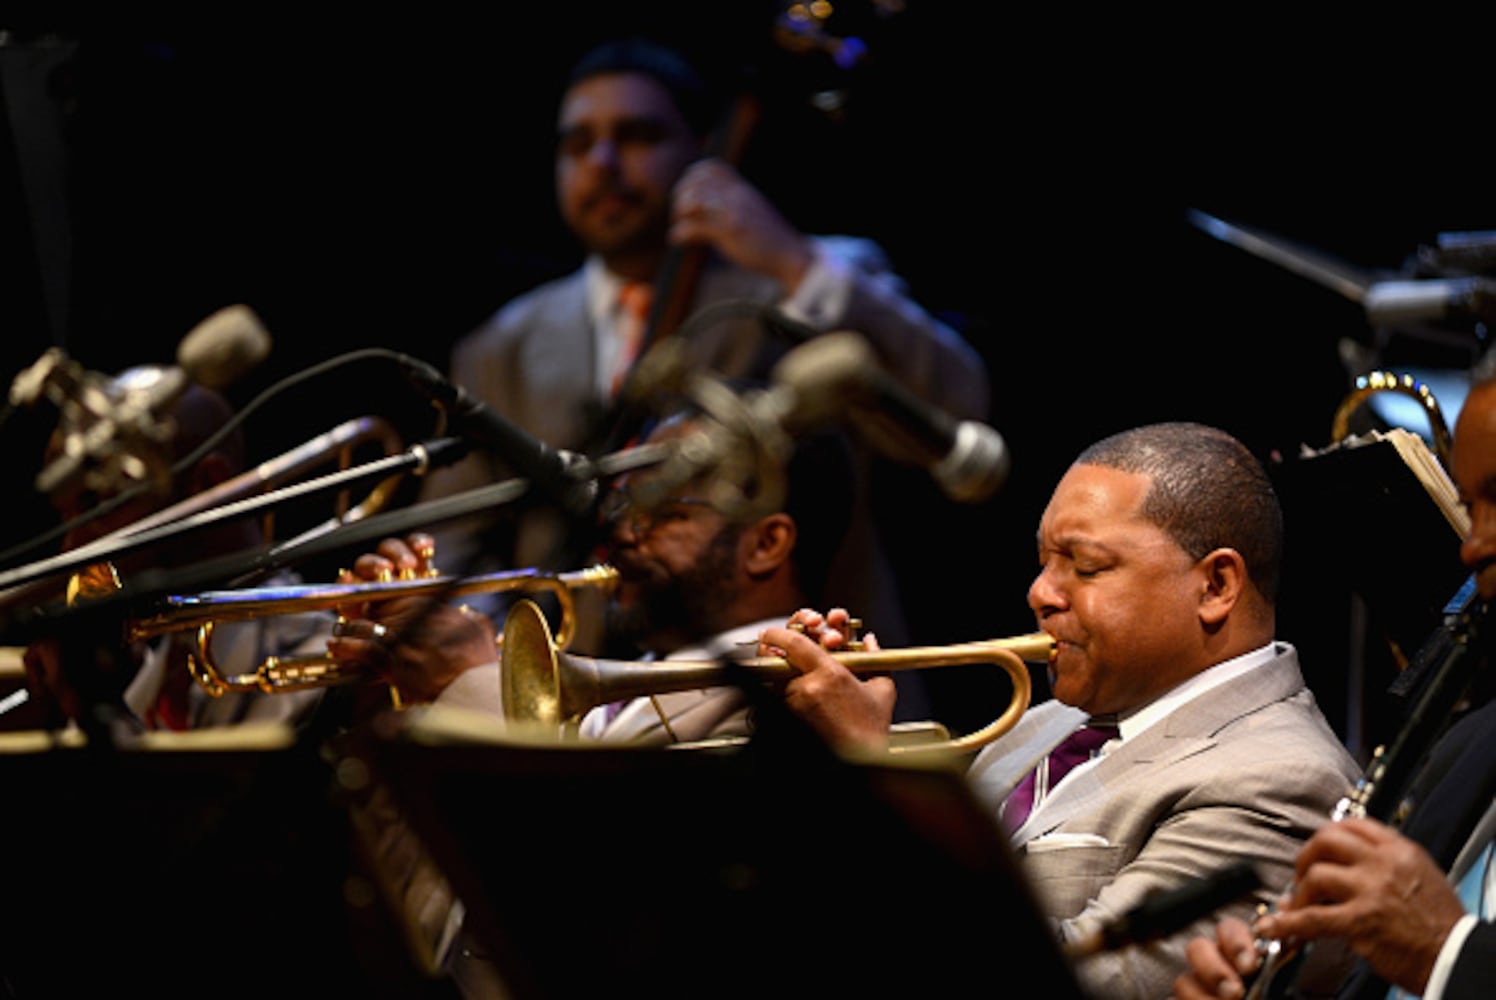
(426, 552)
(854, 635)
(852, 632)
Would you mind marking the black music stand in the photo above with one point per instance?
(228, 871)
(721, 872)
(1362, 519)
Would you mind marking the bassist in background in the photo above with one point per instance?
(636, 184)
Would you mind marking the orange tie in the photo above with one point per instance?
(633, 301)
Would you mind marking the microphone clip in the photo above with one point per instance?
(111, 436)
(741, 449)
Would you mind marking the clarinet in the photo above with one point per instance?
(1452, 654)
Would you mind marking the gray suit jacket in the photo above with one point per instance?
(1244, 772)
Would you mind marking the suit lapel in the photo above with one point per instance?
(1189, 730)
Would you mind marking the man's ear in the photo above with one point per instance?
(1223, 575)
(771, 540)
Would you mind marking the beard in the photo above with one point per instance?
(689, 605)
(638, 229)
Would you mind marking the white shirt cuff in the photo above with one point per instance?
(1444, 964)
(821, 300)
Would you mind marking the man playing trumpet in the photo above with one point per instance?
(1158, 564)
(693, 584)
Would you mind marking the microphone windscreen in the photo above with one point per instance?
(825, 374)
(224, 347)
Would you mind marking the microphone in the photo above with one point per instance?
(1389, 303)
(820, 380)
(748, 438)
(1165, 912)
(968, 460)
(565, 476)
(115, 432)
(223, 347)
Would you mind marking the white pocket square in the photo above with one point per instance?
(1064, 841)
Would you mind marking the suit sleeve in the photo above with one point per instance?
(851, 287)
(1260, 814)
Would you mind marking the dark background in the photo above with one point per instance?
(388, 183)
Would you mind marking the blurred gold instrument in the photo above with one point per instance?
(205, 611)
(545, 686)
(1374, 382)
(37, 582)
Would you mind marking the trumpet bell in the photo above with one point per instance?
(542, 684)
(528, 675)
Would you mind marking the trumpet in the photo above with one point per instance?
(205, 611)
(544, 686)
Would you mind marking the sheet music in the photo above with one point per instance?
(1415, 454)
(1431, 473)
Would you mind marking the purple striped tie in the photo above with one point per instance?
(1078, 747)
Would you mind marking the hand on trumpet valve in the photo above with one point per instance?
(420, 644)
(408, 558)
(834, 630)
(846, 709)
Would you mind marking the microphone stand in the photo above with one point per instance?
(137, 536)
(34, 621)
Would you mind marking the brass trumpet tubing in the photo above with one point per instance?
(591, 682)
(275, 675)
(1035, 647)
(582, 682)
(280, 674)
(183, 612)
(543, 685)
(1009, 653)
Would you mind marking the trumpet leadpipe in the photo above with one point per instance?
(188, 611)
